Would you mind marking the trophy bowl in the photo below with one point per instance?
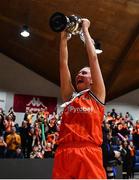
(59, 22)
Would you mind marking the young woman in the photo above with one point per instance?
(79, 153)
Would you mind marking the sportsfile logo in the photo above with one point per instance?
(79, 109)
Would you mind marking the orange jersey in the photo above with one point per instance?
(79, 155)
(82, 120)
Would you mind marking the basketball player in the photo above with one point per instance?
(79, 153)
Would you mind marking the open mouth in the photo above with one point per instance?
(80, 81)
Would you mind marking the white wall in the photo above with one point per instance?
(2, 100)
(126, 103)
(17, 79)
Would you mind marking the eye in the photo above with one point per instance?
(84, 72)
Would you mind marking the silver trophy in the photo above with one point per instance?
(71, 24)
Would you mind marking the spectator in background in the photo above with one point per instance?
(1, 122)
(37, 134)
(110, 156)
(30, 117)
(3, 146)
(113, 113)
(136, 135)
(8, 124)
(127, 160)
(19, 154)
(128, 116)
(11, 113)
(24, 133)
(48, 150)
(37, 152)
(13, 141)
(132, 153)
(52, 125)
(30, 142)
(26, 113)
(46, 113)
(109, 118)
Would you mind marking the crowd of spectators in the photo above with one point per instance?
(33, 139)
(39, 138)
(120, 142)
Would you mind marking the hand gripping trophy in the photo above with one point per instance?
(71, 24)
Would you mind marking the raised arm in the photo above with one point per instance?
(97, 87)
(65, 76)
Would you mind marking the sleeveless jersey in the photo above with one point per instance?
(82, 120)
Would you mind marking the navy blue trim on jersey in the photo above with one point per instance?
(91, 93)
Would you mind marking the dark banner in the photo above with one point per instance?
(34, 103)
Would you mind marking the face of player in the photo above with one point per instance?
(83, 79)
